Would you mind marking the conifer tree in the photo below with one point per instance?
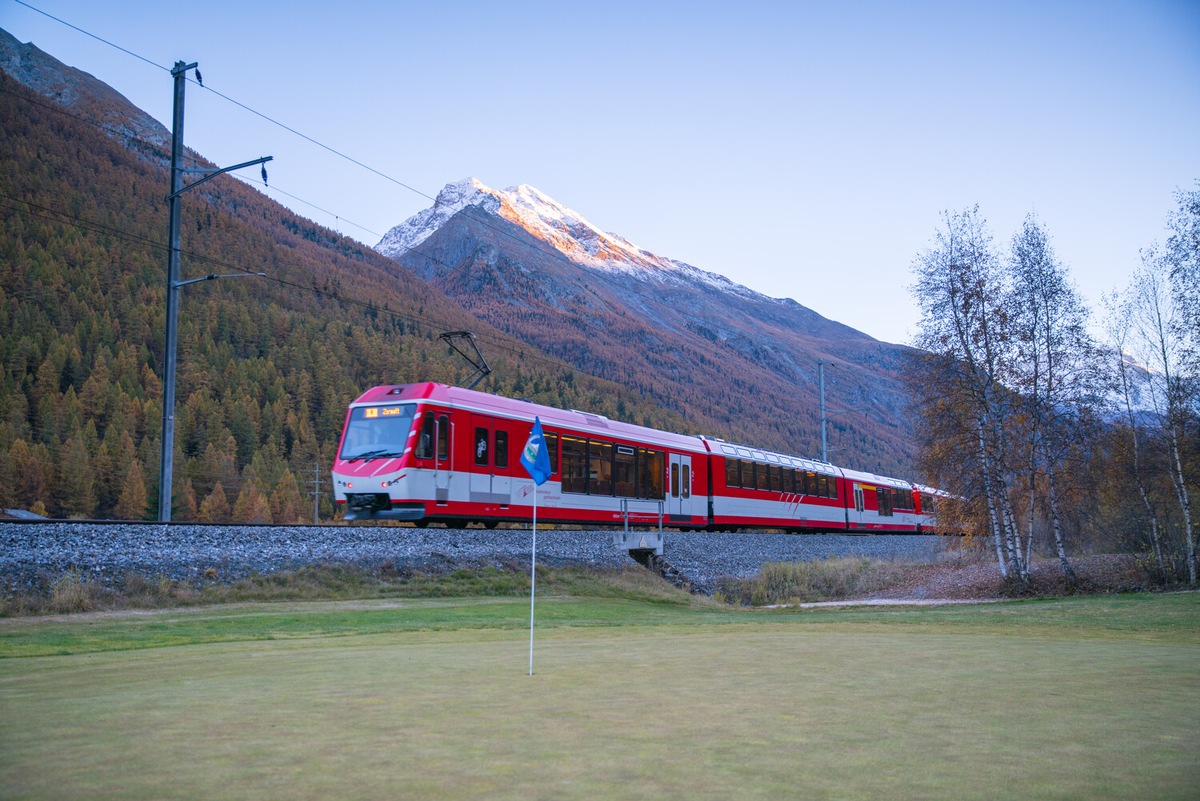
(133, 501)
(76, 481)
(32, 474)
(251, 506)
(286, 503)
(185, 501)
(215, 507)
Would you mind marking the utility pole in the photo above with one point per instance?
(167, 459)
(170, 345)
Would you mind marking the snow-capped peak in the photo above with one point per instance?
(453, 198)
(564, 229)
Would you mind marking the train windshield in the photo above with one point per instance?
(377, 432)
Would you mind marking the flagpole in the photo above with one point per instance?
(532, 579)
(537, 463)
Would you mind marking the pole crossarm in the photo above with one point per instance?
(212, 277)
(209, 174)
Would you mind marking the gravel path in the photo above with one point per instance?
(31, 554)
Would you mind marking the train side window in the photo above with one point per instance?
(686, 481)
(674, 480)
(625, 472)
(443, 438)
(481, 447)
(600, 467)
(787, 476)
(650, 480)
(762, 477)
(884, 499)
(425, 445)
(775, 482)
(833, 487)
(822, 486)
(574, 464)
(552, 452)
(501, 456)
(733, 476)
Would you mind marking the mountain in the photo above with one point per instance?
(266, 365)
(733, 362)
(84, 94)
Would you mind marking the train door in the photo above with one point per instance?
(859, 506)
(679, 502)
(442, 463)
(491, 473)
(433, 451)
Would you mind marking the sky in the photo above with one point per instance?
(805, 150)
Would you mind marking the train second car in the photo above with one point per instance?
(433, 453)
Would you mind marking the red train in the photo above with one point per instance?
(434, 453)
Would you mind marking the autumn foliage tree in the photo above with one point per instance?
(1154, 324)
(1003, 383)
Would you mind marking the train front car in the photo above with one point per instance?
(433, 453)
(374, 471)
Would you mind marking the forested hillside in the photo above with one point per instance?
(266, 365)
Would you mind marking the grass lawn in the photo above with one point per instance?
(1083, 698)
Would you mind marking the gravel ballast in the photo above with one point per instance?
(32, 553)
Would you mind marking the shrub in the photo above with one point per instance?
(792, 582)
(72, 592)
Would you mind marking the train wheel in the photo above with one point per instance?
(491, 523)
(423, 523)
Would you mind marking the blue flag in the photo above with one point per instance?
(535, 458)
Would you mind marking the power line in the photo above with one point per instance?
(237, 103)
(321, 145)
(510, 345)
(273, 188)
(273, 121)
(521, 345)
(115, 132)
(162, 153)
(92, 35)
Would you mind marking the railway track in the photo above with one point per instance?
(33, 552)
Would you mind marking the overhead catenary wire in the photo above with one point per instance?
(108, 129)
(249, 109)
(517, 347)
(510, 345)
(92, 35)
(165, 156)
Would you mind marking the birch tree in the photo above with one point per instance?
(964, 329)
(1183, 256)
(1117, 326)
(1053, 370)
(1156, 319)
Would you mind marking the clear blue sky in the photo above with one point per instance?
(806, 150)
